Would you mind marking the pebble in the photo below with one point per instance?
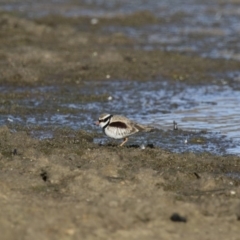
(178, 218)
(94, 21)
(95, 54)
(10, 120)
(142, 146)
(175, 126)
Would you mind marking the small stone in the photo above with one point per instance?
(142, 146)
(10, 120)
(95, 54)
(178, 218)
(14, 152)
(70, 231)
(175, 126)
(94, 21)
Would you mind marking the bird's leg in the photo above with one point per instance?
(125, 140)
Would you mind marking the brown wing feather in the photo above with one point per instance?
(118, 124)
(135, 127)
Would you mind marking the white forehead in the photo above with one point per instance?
(104, 115)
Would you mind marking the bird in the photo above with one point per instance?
(120, 127)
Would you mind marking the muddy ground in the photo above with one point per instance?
(68, 187)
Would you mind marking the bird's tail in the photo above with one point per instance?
(145, 128)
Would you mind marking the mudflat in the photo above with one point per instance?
(68, 186)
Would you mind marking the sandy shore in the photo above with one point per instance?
(68, 187)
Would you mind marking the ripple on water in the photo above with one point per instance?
(207, 28)
(211, 108)
(214, 109)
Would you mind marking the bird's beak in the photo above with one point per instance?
(97, 123)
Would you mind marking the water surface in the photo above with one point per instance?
(207, 116)
(207, 28)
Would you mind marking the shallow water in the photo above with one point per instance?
(208, 28)
(207, 116)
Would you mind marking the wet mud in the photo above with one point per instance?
(67, 185)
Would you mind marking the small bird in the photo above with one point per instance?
(120, 127)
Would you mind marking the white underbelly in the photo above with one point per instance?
(116, 133)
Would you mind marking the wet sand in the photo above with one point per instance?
(68, 187)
